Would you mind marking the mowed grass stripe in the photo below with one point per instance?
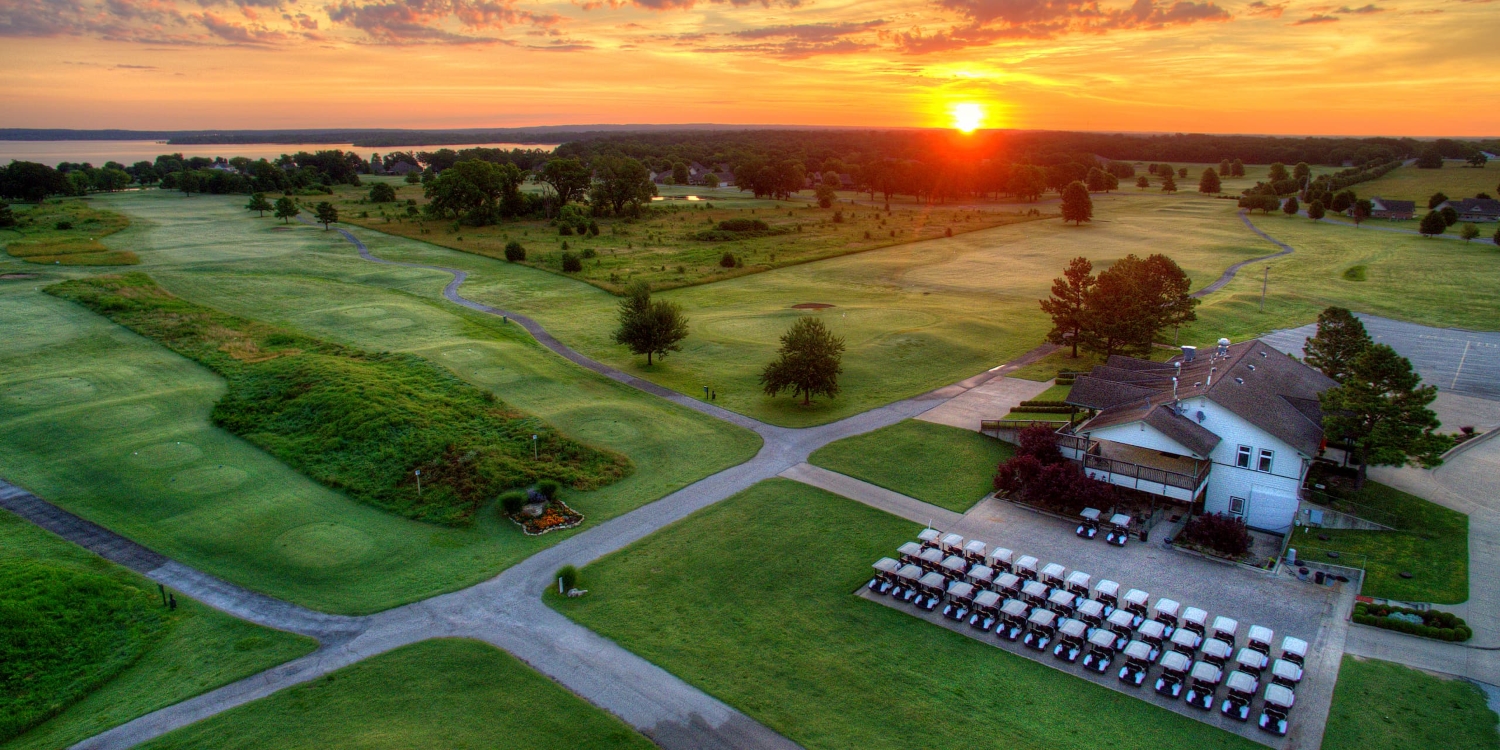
(947, 466)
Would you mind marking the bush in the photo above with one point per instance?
(514, 252)
(565, 230)
(593, 228)
(548, 488)
(571, 263)
(588, 254)
(727, 261)
(1443, 626)
(569, 577)
(743, 225)
(1218, 532)
(64, 225)
(512, 501)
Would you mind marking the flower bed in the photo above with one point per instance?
(1442, 626)
(557, 516)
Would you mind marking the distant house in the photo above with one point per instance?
(1385, 208)
(1474, 209)
(1237, 429)
(404, 168)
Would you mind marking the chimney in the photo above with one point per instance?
(1174, 389)
(1188, 353)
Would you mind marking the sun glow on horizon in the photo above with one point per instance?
(967, 117)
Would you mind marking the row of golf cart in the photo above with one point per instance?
(1116, 529)
(1052, 609)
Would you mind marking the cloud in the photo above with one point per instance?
(809, 32)
(1261, 8)
(237, 33)
(422, 21)
(787, 41)
(159, 22)
(997, 20)
(665, 5)
(1319, 18)
(1362, 10)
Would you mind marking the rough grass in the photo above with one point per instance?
(371, 425)
(86, 645)
(751, 600)
(443, 693)
(949, 467)
(36, 237)
(1453, 180)
(1383, 706)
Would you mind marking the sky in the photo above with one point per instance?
(1315, 67)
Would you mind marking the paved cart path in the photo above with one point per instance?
(1229, 273)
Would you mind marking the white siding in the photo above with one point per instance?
(1226, 479)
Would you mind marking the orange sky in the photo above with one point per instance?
(1403, 67)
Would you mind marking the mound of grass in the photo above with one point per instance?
(935, 463)
(358, 422)
(1430, 542)
(1355, 273)
(1383, 706)
(67, 232)
(739, 229)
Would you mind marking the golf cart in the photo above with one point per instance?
(885, 575)
(906, 582)
(1101, 651)
(954, 568)
(1091, 612)
(1174, 673)
(1259, 638)
(981, 576)
(1137, 663)
(974, 552)
(1120, 623)
(1008, 584)
(1279, 700)
(1166, 613)
(1078, 583)
(1185, 641)
(1225, 629)
(1088, 528)
(1205, 680)
(931, 559)
(929, 537)
(1052, 575)
(986, 610)
(999, 558)
(1119, 532)
(1108, 594)
(960, 600)
(1012, 619)
(1152, 633)
(1236, 703)
(1285, 673)
(1135, 604)
(910, 553)
(1035, 593)
(1041, 626)
(1195, 620)
(1250, 661)
(951, 544)
(1070, 640)
(1026, 567)
(930, 588)
(1293, 650)
(1061, 602)
(1216, 651)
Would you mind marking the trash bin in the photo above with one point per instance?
(1318, 578)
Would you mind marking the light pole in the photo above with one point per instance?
(419, 482)
(534, 454)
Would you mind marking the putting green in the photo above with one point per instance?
(209, 480)
(324, 545)
(165, 455)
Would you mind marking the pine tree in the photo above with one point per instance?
(1209, 184)
(808, 363)
(1077, 206)
(1168, 185)
(259, 203)
(1067, 303)
(326, 214)
(650, 327)
(1340, 339)
(1142, 182)
(1382, 409)
(286, 208)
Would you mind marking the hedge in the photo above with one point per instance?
(1442, 626)
(1045, 402)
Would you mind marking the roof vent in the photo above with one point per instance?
(1223, 347)
(1198, 384)
(1252, 367)
(1201, 416)
(1262, 354)
(1189, 353)
(1241, 381)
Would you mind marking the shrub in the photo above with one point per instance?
(588, 253)
(838, 217)
(565, 230)
(548, 488)
(1218, 532)
(743, 225)
(514, 252)
(569, 577)
(594, 228)
(64, 225)
(727, 261)
(1443, 626)
(512, 501)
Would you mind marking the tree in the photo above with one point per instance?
(1436, 200)
(286, 208)
(1449, 214)
(825, 194)
(259, 203)
(1496, 238)
(514, 251)
(1168, 185)
(1342, 201)
(1142, 182)
(1477, 159)
(7, 216)
(1097, 180)
(1381, 408)
(382, 192)
(808, 362)
(1067, 305)
(650, 327)
(1278, 173)
(1237, 169)
(1077, 206)
(32, 182)
(412, 178)
(1134, 300)
(327, 214)
(1290, 208)
(478, 192)
(1208, 184)
(569, 178)
(1432, 224)
(1182, 172)
(1315, 210)
(1361, 210)
(1431, 158)
(1224, 166)
(680, 175)
(1301, 172)
(711, 180)
(189, 183)
(621, 182)
(1468, 231)
(1340, 339)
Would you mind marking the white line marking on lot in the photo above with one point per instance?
(1460, 370)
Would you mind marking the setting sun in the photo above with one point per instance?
(967, 117)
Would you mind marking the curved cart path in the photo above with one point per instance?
(1230, 272)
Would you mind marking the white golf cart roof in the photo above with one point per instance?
(960, 590)
(953, 541)
(1091, 608)
(1240, 682)
(910, 571)
(928, 535)
(1062, 598)
(1175, 661)
(1107, 587)
(1153, 630)
(1073, 628)
(1102, 638)
(1028, 562)
(956, 563)
(1080, 579)
(1035, 588)
(986, 599)
(932, 555)
(1168, 607)
(1091, 514)
(982, 573)
(1138, 650)
(1217, 649)
(1293, 646)
(886, 565)
(1001, 554)
(1286, 670)
(1014, 607)
(1280, 696)
(1185, 637)
(1194, 615)
(1053, 570)
(910, 548)
(1120, 519)
(1008, 581)
(975, 547)
(934, 580)
(1043, 617)
(1249, 657)
(1226, 625)
(1261, 634)
(1208, 673)
(1120, 619)
(1137, 596)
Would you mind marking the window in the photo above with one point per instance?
(1265, 460)
(1237, 507)
(1242, 458)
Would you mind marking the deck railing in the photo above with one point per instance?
(1143, 473)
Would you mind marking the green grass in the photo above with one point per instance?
(946, 466)
(1453, 180)
(36, 237)
(368, 425)
(89, 646)
(1055, 393)
(443, 693)
(1431, 542)
(752, 600)
(117, 429)
(1383, 706)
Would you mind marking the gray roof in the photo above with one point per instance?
(1394, 206)
(1187, 433)
(1485, 206)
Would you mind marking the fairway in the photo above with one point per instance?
(1383, 706)
(1453, 180)
(946, 466)
(434, 694)
(752, 601)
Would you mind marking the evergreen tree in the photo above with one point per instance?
(1077, 206)
(1142, 182)
(1168, 185)
(1237, 169)
(1381, 408)
(259, 203)
(808, 362)
(1340, 339)
(1290, 208)
(650, 327)
(1315, 210)
(1132, 301)
(327, 214)
(1208, 184)
(1432, 224)
(1067, 303)
(286, 208)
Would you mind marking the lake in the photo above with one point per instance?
(97, 153)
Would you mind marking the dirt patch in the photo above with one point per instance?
(811, 306)
(17, 276)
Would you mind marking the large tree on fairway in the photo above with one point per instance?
(621, 182)
(326, 214)
(259, 203)
(1142, 182)
(568, 177)
(1278, 173)
(1290, 208)
(1237, 169)
(1224, 167)
(1077, 206)
(1067, 305)
(1301, 172)
(382, 192)
(650, 327)
(1134, 300)
(1381, 408)
(286, 208)
(1168, 184)
(1209, 182)
(1340, 339)
(1315, 210)
(1432, 224)
(808, 363)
